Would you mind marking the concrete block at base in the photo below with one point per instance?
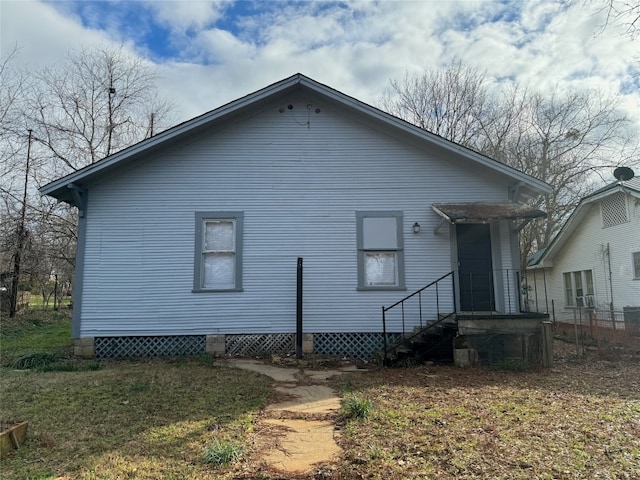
(216, 344)
(307, 343)
(465, 357)
(84, 347)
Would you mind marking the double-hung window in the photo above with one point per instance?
(578, 288)
(218, 251)
(380, 250)
(636, 265)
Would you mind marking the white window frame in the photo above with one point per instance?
(200, 252)
(392, 246)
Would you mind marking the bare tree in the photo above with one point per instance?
(623, 12)
(12, 134)
(448, 102)
(14, 184)
(562, 139)
(60, 120)
(96, 104)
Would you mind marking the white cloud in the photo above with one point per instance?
(184, 15)
(220, 47)
(353, 46)
(42, 34)
(536, 15)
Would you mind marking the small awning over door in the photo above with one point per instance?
(481, 212)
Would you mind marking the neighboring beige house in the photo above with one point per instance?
(594, 261)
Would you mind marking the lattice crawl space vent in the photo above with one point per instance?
(614, 210)
(123, 347)
(260, 344)
(360, 346)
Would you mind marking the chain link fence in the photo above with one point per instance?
(599, 329)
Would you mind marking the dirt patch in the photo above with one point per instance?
(309, 399)
(304, 444)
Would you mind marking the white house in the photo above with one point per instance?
(190, 239)
(594, 261)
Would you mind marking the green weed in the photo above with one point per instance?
(34, 332)
(221, 453)
(375, 452)
(356, 407)
(33, 361)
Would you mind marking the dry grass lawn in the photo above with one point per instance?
(576, 421)
(156, 419)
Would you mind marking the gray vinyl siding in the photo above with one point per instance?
(299, 186)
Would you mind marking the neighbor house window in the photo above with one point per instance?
(578, 288)
(218, 251)
(380, 250)
(568, 290)
(636, 265)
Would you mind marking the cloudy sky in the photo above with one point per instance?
(209, 53)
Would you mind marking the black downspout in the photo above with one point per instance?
(299, 310)
(384, 337)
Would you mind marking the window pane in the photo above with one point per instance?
(380, 233)
(380, 268)
(219, 270)
(589, 276)
(219, 236)
(577, 278)
(636, 264)
(568, 290)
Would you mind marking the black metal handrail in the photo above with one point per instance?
(501, 291)
(532, 300)
(401, 302)
(512, 297)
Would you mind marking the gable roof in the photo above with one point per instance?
(63, 188)
(543, 257)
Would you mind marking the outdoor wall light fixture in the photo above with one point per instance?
(416, 227)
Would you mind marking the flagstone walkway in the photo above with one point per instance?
(304, 441)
